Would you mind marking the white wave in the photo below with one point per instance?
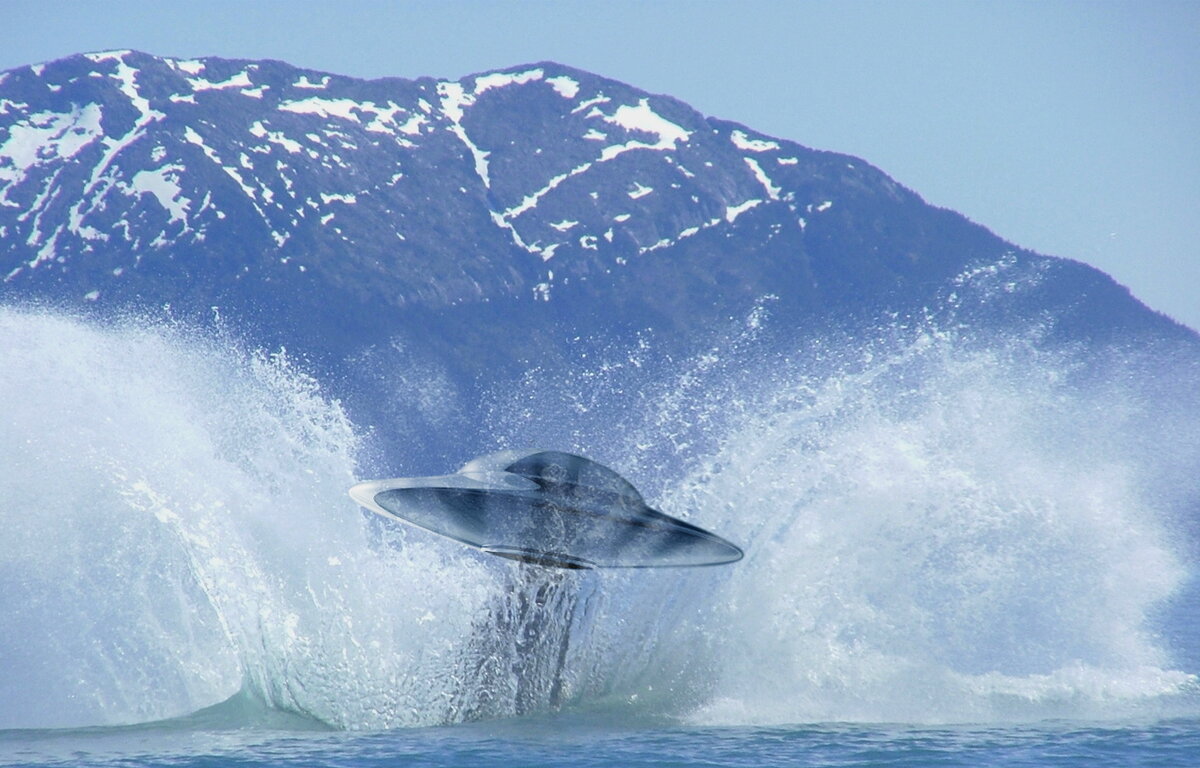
(941, 534)
(174, 526)
(935, 529)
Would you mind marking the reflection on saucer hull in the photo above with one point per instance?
(547, 508)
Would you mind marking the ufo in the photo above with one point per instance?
(547, 508)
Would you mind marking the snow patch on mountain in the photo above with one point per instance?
(240, 80)
(565, 86)
(190, 66)
(643, 119)
(163, 184)
(126, 76)
(595, 101)
(639, 190)
(747, 144)
(46, 137)
(454, 100)
(195, 138)
(383, 118)
(732, 212)
(502, 79)
(291, 146)
(773, 191)
(412, 126)
(304, 82)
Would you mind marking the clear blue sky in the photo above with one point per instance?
(1072, 128)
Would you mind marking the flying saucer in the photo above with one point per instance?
(548, 508)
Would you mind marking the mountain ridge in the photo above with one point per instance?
(225, 75)
(487, 222)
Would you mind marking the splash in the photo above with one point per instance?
(948, 531)
(937, 528)
(175, 529)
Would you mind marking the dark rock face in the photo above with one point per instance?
(485, 223)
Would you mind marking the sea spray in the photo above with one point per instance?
(938, 526)
(945, 531)
(175, 527)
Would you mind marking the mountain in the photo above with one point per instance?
(480, 226)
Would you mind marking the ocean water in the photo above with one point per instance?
(579, 741)
(959, 551)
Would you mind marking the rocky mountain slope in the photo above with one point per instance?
(482, 225)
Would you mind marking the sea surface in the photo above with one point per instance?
(571, 741)
(959, 551)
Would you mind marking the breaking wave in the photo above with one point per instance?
(935, 530)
